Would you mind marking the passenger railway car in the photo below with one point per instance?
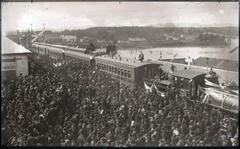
(97, 52)
(188, 82)
(58, 52)
(128, 72)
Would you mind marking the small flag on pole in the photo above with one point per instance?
(147, 87)
(205, 98)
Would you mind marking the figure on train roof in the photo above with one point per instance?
(141, 56)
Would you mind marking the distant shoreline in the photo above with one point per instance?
(150, 47)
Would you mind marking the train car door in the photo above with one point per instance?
(92, 63)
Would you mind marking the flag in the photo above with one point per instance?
(59, 88)
(155, 88)
(205, 98)
(147, 87)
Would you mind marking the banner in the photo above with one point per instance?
(155, 88)
(147, 87)
(205, 98)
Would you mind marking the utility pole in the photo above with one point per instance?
(44, 40)
(227, 70)
(207, 63)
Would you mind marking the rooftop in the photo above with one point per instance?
(125, 61)
(188, 74)
(10, 47)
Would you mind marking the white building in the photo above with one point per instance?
(14, 59)
(136, 39)
(69, 38)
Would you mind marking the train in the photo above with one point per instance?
(191, 84)
(97, 52)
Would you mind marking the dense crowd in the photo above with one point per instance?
(72, 104)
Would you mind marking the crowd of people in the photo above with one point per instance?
(73, 105)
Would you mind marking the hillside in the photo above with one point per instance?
(121, 33)
(154, 36)
(145, 37)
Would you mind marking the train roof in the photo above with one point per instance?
(71, 53)
(61, 46)
(188, 74)
(69, 47)
(124, 61)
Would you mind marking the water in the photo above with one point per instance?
(184, 52)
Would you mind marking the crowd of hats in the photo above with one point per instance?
(73, 105)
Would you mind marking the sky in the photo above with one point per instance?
(80, 15)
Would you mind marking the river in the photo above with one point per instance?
(184, 52)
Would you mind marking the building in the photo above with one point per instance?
(14, 59)
(69, 38)
(136, 39)
(52, 38)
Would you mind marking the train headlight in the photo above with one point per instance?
(91, 57)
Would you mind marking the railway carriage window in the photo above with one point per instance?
(104, 67)
(129, 74)
(118, 71)
(121, 72)
(185, 84)
(125, 73)
(193, 88)
(115, 70)
(97, 66)
(110, 68)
